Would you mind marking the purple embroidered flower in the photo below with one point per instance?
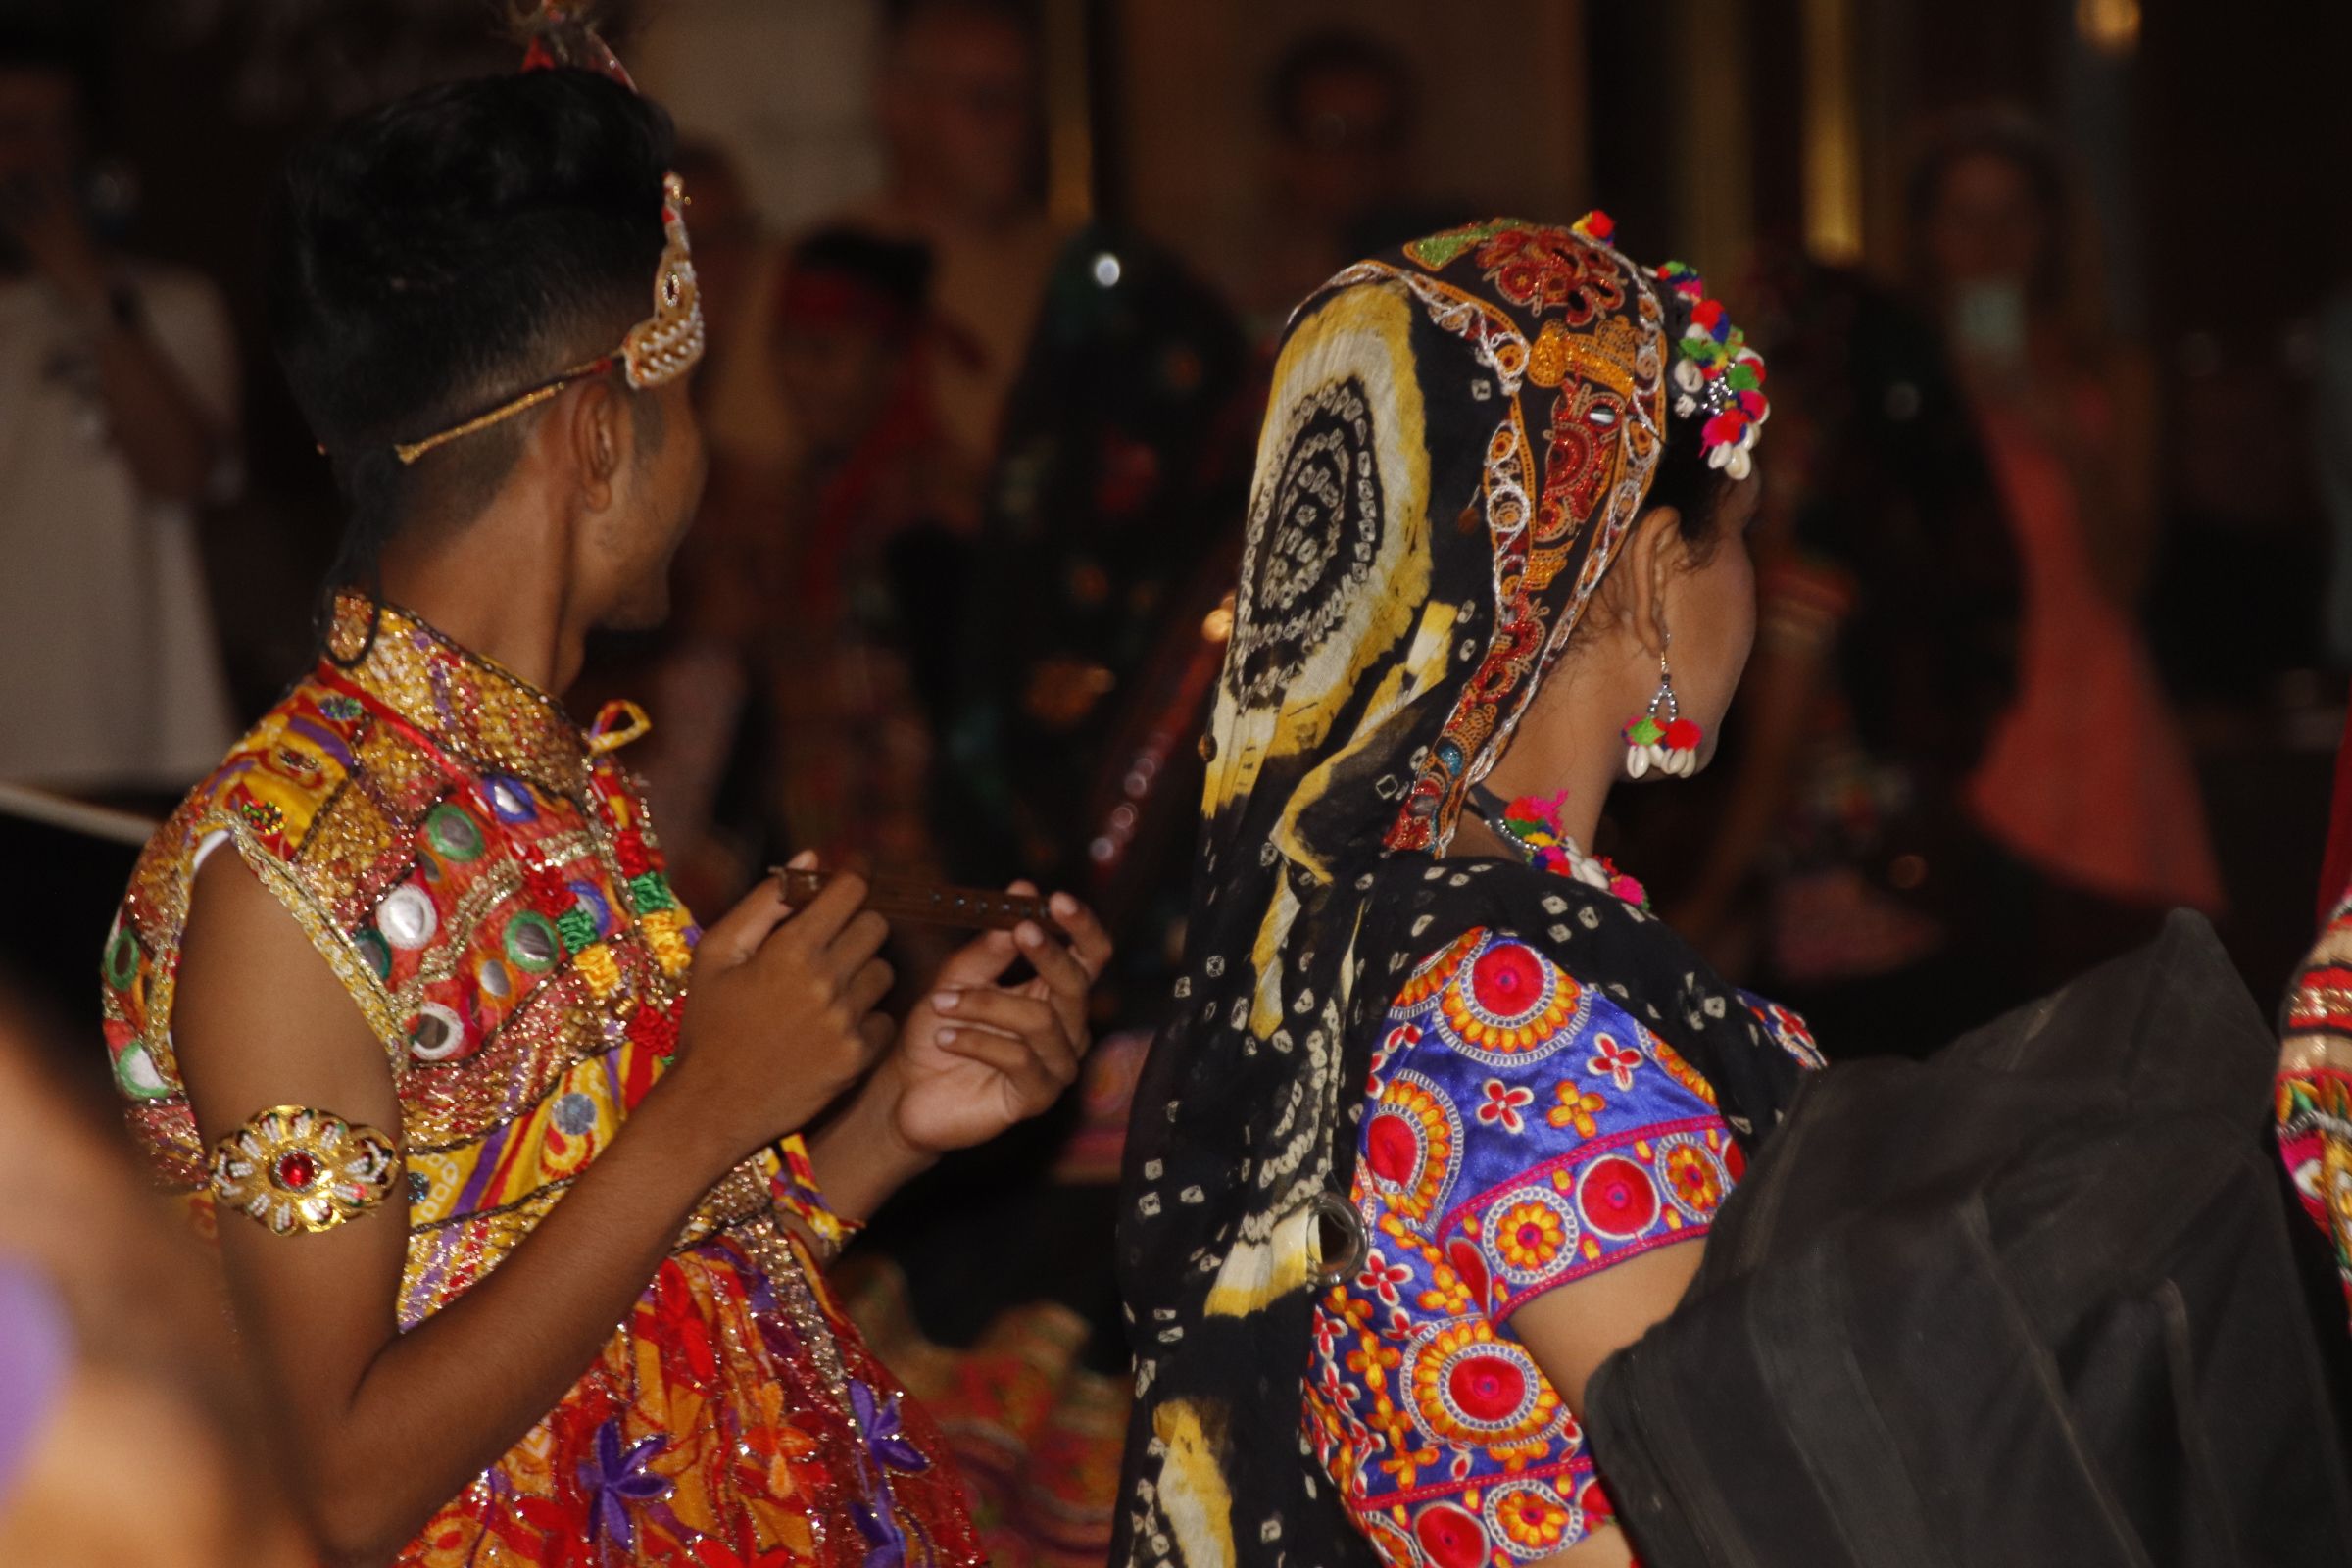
(885, 1542)
(884, 1439)
(614, 1480)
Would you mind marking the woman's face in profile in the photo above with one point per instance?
(1612, 670)
(1711, 609)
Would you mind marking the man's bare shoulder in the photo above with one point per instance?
(262, 1018)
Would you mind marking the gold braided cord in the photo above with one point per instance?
(657, 350)
(409, 451)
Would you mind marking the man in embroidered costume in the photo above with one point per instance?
(379, 1142)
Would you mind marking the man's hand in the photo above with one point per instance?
(975, 1058)
(777, 1022)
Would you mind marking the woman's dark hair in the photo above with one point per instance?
(1696, 491)
(2020, 142)
(1685, 481)
(438, 254)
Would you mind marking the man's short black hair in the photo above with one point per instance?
(436, 256)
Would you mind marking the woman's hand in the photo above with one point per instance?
(975, 1058)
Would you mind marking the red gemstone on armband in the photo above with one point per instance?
(295, 1171)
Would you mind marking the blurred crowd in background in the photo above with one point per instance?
(2055, 549)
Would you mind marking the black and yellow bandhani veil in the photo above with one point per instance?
(1459, 436)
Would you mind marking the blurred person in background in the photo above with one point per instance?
(1343, 107)
(2087, 780)
(117, 417)
(1110, 537)
(1091, 632)
(734, 265)
(957, 98)
(2331, 445)
(1842, 871)
(820, 598)
(526, 1250)
(873, 535)
(126, 1435)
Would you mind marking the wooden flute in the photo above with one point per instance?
(927, 903)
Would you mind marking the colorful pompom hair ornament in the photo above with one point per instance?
(1718, 379)
(1660, 738)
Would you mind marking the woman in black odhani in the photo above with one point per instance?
(1443, 1109)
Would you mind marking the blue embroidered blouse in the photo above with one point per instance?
(1521, 1131)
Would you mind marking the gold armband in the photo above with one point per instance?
(293, 1168)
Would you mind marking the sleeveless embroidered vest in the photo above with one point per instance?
(481, 875)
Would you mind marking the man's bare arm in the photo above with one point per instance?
(379, 1428)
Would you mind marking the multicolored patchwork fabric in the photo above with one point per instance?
(481, 875)
(2315, 1088)
(1522, 1131)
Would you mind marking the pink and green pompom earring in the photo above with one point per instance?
(1660, 738)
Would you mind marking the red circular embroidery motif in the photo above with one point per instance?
(1391, 1149)
(1453, 1536)
(1617, 1197)
(1486, 1387)
(1508, 981)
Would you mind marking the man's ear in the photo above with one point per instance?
(595, 441)
(1652, 557)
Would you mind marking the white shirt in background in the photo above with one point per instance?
(111, 675)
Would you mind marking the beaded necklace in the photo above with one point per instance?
(1531, 825)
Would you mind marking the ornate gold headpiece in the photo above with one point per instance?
(656, 349)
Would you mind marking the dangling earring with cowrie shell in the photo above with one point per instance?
(1660, 737)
